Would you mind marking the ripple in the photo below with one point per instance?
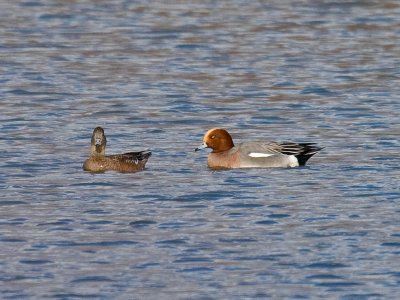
(324, 277)
(95, 244)
(97, 278)
(12, 202)
(238, 240)
(193, 260)
(318, 90)
(142, 223)
(196, 270)
(391, 244)
(75, 295)
(355, 296)
(35, 261)
(326, 265)
(336, 284)
(243, 205)
(173, 242)
(12, 240)
(266, 222)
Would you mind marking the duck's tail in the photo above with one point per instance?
(302, 151)
(140, 155)
(308, 150)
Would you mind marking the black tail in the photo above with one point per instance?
(302, 151)
(307, 151)
(141, 155)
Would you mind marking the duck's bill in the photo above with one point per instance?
(201, 147)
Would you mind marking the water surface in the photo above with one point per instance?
(159, 75)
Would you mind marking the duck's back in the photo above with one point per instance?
(127, 162)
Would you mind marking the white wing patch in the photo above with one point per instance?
(259, 154)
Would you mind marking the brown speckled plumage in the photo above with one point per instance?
(99, 162)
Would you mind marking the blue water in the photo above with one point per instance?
(159, 75)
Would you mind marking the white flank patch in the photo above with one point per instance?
(258, 154)
(293, 162)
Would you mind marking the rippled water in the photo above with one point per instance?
(157, 76)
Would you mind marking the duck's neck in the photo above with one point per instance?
(97, 151)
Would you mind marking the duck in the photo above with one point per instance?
(99, 162)
(267, 154)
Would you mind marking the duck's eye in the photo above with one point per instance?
(213, 137)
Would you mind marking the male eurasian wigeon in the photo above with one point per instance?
(99, 162)
(226, 155)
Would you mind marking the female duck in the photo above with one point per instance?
(99, 162)
(226, 155)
